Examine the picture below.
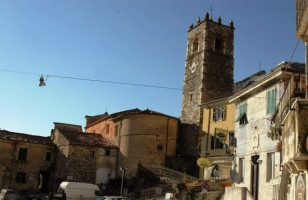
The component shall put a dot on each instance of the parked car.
(34, 195)
(112, 198)
(9, 194)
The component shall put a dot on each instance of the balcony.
(291, 124)
(302, 19)
(294, 135)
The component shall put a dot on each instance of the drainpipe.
(208, 132)
(306, 70)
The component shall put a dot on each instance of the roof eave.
(256, 85)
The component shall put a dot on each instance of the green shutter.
(271, 101)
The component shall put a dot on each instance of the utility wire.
(93, 80)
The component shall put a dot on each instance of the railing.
(295, 88)
(168, 173)
(300, 7)
(216, 185)
(285, 103)
(155, 191)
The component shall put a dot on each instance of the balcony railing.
(300, 8)
(295, 88)
(161, 171)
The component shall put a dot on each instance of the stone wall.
(208, 75)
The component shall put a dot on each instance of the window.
(219, 113)
(107, 152)
(116, 129)
(22, 154)
(231, 139)
(218, 45)
(216, 143)
(107, 128)
(241, 169)
(270, 166)
(195, 45)
(271, 101)
(160, 147)
(242, 118)
(92, 153)
(20, 177)
(48, 156)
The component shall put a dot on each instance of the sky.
(131, 41)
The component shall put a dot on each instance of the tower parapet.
(208, 19)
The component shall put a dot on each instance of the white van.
(79, 191)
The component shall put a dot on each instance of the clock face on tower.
(193, 67)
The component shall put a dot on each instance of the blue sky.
(136, 41)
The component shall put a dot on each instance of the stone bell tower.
(208, 75)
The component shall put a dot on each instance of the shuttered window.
(242, 118)
(271, 101)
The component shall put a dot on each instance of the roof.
(66, 126)
(238, 86)
(86, 139)
(119, 115)
(269, 78)
(22, 137)
(91, 119)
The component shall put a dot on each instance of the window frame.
(219, 113)
(46, 156)
(242, 118)
(22, 157)
(21, 177)
(270, 166)
(195, 44)
(107, 152)
(241, 169)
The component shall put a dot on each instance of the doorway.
(254, 177)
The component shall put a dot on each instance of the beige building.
(143, 137)
(290, 123)
(26, 161)
(257, 166)
(83, 157)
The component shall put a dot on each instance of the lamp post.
(122, 182)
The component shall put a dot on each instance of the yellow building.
(26, 161)
(217, 139)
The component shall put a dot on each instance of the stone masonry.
(208, 75)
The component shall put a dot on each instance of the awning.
(240, 117)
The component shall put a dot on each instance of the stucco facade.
(26, 161)
(143, 137)
(258, 161)
(217, 138)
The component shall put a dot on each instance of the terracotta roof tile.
(87, 139)
(22, 137)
